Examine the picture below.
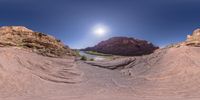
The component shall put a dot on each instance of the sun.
(100, 30)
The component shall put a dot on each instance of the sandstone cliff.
(194, 39)
(35, 41)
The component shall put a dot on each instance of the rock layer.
(24, 72)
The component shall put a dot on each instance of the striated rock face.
(24, 72)
(38, 42)
(124, 46)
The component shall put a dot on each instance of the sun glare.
(100, 30)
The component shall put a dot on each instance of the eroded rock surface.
(169, 72)
(25, 72)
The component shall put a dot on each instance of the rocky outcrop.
(124, 46)
(194, 39)
(35, 41)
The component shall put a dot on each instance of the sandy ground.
(172, 74)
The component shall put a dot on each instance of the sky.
(161, 22)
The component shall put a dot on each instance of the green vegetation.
(92, 59)
(84, 58)
(97, 53)
(76, 53)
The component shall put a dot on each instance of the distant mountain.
(38, 42)
(124, 46)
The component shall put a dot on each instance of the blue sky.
(159, 21)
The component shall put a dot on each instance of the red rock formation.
(124, 46)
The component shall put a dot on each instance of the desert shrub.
(76, 53)
(58, 40)
(83, 58)
(92, 59)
